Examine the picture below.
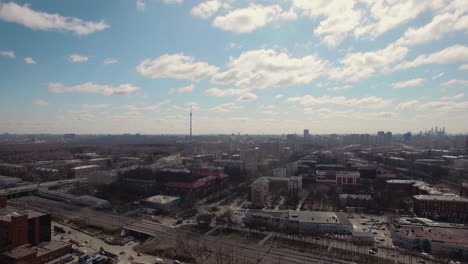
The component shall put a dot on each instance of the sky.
(257, 67)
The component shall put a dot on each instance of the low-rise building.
(443, 241)
(338, 177)
(159, 202)
(102, 178)
(441, 206)
(47, 173)
(6, 181)
(85, 171)
(299, 221)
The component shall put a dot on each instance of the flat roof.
(444, 235)
(319, 217)
(85, 167)
(7, 212)
(8, 178)
(19, 252)
(162, 199)
(441, 197)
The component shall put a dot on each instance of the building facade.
(441, 206)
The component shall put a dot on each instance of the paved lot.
(374, 225)
(93, 244)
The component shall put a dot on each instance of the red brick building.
(25, 237)
(20, 227)
(441, 206)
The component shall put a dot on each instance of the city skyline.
(256, 67)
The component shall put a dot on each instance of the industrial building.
(300, 221)
(85, 200)
(432, 237)
(6, 182)
(159, 202)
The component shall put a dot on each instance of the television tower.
(190, 122)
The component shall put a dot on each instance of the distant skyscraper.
(190, 122)
(407, 137)
(306, 133)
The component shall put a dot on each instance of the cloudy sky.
(137, 66)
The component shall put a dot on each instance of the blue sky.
(137, 66)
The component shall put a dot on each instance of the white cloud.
(38, 20)
(452, 54)
(77, 58)
(267, 107)
(386, 15)
(90, 87)
(171, 2)
(40, 102)
(440, 25)
(94, 106)
(455, 97)
(247, 97)
(438, 76)
(260, 69)
(185, 89)
(358, 66)
(340, 18)
(463, 67)
(279, 96)
(8, 54)
(110, 61)
(407, 105)
(455, 82)
(245, 20)
(446, 104)
(364, 102)
(226, 108)
(216, 92)
(408, 83)
(29, 60)
(340, 88)
(177, 66)
(208, 8)
(140, 5)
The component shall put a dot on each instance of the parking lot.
(375, 225)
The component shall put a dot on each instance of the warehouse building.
(299, 221)
(6, 182)
(438, 240)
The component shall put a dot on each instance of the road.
(253, 252)
(94, 244)
(34, 186)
